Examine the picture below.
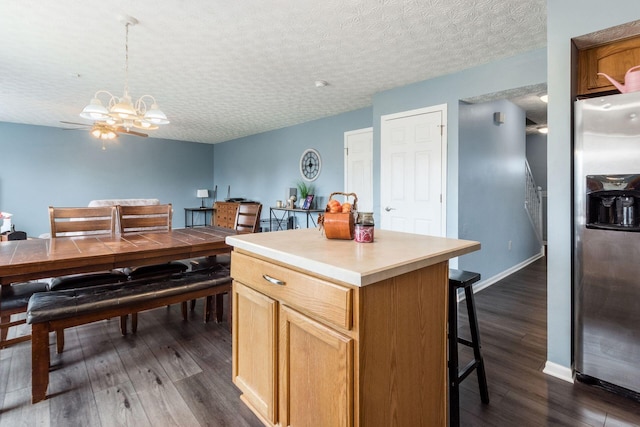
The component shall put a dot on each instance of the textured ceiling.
(225, 69)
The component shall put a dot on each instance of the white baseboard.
(559, 371)
(482, 284)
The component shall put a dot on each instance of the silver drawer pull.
(272, 280)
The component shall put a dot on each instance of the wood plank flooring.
(179, 373)
(512, 319)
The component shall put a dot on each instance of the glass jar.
(364, 227)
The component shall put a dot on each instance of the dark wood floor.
(512, 319)
(177, 373)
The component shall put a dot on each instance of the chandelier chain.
(126, 59)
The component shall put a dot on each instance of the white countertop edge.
(351, 277)
(347, 276)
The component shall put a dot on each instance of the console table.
(280, 217)
(192, 211)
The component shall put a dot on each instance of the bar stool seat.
(460, 279)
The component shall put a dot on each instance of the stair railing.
(533, 202)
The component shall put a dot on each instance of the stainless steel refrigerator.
(607, 241)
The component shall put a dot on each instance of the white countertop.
(360, 264)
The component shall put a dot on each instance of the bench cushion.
(44, 307)
(156, 270)
(86, 280)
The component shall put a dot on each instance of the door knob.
(389, 209)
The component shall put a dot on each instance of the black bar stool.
(463, 279)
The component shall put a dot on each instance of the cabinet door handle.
(273, 280)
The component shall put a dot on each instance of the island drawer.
(325, 300)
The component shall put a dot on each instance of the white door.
(413, 171)
(358, 166)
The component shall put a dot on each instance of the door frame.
(443, 147)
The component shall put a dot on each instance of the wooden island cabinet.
(339, 333)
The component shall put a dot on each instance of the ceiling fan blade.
(74, 123)
(131, 132)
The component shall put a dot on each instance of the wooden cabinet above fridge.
(613, 59)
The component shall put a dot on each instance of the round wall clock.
(310, 164)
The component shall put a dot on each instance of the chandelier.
(122, 112)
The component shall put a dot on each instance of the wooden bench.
(54, 311)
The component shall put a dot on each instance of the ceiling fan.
(103, 130)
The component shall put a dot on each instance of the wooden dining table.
(23, 260)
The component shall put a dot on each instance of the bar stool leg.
(475, 339)
(454, 389)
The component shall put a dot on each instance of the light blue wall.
(567, 19)
(44, 166)
(522, 70)
(491, 188)
(263, 167)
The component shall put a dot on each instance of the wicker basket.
(340, 225)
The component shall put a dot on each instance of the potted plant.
(304, 190)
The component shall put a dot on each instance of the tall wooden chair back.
(248, 217)
(82, 221)
(145, 218)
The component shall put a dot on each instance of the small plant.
(304, 189)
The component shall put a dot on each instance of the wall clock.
(310, 164)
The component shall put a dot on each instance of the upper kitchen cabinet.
(613, 59)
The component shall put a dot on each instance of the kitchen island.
(339, 333)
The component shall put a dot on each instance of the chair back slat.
(145, 218)
(82, 221)
(248, 217)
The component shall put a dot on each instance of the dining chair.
(82, 221)
(247, 221)
(146, 218)
(67, 221)
(133, 219)
(248, 217)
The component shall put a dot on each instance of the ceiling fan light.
(96, 132)
(101, 131)
(155, 116)
(95, 110)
